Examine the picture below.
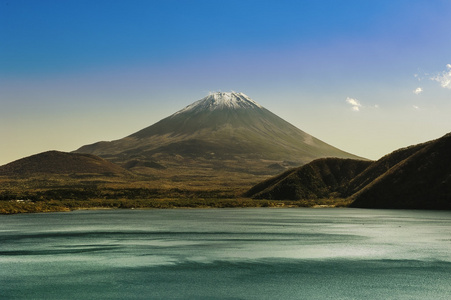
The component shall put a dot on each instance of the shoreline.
(16, 207)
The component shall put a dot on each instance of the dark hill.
(378, 168)
(416, 177)
(55, 162)
(420, 181)
(318, 179)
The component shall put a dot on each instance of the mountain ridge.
(414, 177)
(319, 179)
(421, 180)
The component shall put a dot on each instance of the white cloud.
(356, 105)
(418, 91)
(354, 102)
(415, 107)
(444, 78)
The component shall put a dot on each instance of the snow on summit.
(220, 100)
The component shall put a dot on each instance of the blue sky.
(365, 76)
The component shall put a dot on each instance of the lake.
(254, 253)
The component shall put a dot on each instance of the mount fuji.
(223, 131)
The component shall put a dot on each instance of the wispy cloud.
(421, 75)
(357, 106)
(355, 103)
(444, 78)
(418, 91)
(415, 107)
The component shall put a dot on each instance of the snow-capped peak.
(220, 100)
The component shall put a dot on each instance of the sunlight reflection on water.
(166, 254)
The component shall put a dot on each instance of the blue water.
(227, 254)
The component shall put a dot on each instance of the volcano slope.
(224, 139)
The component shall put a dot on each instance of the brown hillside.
(318, 179)
(420, 181)
(378, 168)
(416, 177)
(55, 162)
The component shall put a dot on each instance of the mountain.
(319, 179)
(378, 169)
(55, 162)
(223, 131)
(421, 179)
(416, 177)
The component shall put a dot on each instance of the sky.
(368, 77)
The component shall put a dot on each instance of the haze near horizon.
(365, 77)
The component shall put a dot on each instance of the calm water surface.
(227, 254)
